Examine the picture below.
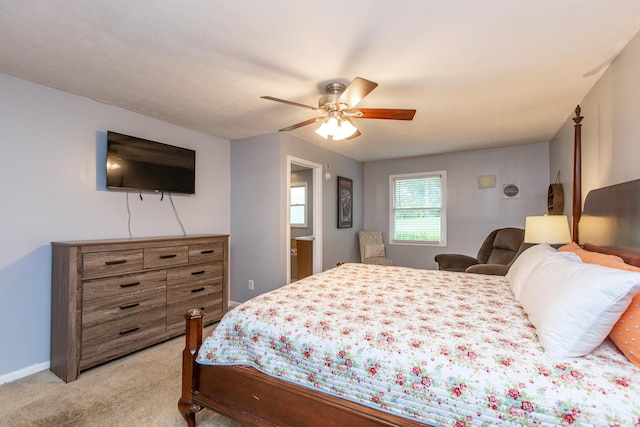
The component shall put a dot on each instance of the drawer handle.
(128, 331)
(197, 273)
(116, 262)
(168, 256)
(193, 291)
(128, 285)
(124, 307)
(208, 251)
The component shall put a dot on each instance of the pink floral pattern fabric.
(447, 349)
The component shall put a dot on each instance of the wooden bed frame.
(247, 395)
(255, 399)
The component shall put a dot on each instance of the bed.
(431, 348)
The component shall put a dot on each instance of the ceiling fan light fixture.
(323, 130)
(337, 107)
(345, 130)
(336, 129)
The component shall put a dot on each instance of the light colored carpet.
(141, 389)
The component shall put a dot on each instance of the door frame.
(317, 212)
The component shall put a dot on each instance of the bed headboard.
(610, 221)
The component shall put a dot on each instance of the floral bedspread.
(447, 349)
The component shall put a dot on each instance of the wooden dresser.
(113, 297)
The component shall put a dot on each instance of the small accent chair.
(497, 253)
(372, 248)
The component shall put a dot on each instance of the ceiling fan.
(337, 107)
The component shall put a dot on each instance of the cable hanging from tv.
(184, 233)
(173, 206)
(129, 214)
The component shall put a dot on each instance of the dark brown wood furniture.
(577, 175)
(112, 297)
(255, 399)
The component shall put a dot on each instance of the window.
(298, 205)
(417, 209)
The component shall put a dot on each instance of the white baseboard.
(24, 372)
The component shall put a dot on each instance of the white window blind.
(298, 206)
(417, 208)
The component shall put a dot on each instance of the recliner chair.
(497, 253)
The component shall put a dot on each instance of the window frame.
(443, 208)
(305, 205)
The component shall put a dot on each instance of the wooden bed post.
(577, 174)
(193, 338)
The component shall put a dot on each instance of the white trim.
(233, 304)
(24, 372)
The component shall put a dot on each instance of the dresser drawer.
(206, 252)
(190, 290)
(166, 256)
(109, 340)
(104, 300)
(151, 300)
(211, 304)
(97, 264)
(96, 290)
(194, 273)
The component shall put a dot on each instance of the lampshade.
(551, 229)
(336, 128)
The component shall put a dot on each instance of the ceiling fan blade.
(382, 113)
(299, 125)
(284, 101)
(356, 91)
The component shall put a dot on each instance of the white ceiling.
(480, 73)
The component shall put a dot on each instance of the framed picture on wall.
(345, 202)
(511, 191)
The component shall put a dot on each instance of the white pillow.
(374, 251)
(574, 305)
(525, 264)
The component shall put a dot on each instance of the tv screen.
(142, 165)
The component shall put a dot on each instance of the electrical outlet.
(250, 285)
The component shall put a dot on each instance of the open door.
(304, 177)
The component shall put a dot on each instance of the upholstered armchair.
(372, 248)
(497, 253)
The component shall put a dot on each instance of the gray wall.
(259, 202)
(471, 212)
(610, 130)
(53, 149)
(255, 224)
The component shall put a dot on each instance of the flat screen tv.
(138, 164)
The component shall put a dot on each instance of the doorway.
(308, 175)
